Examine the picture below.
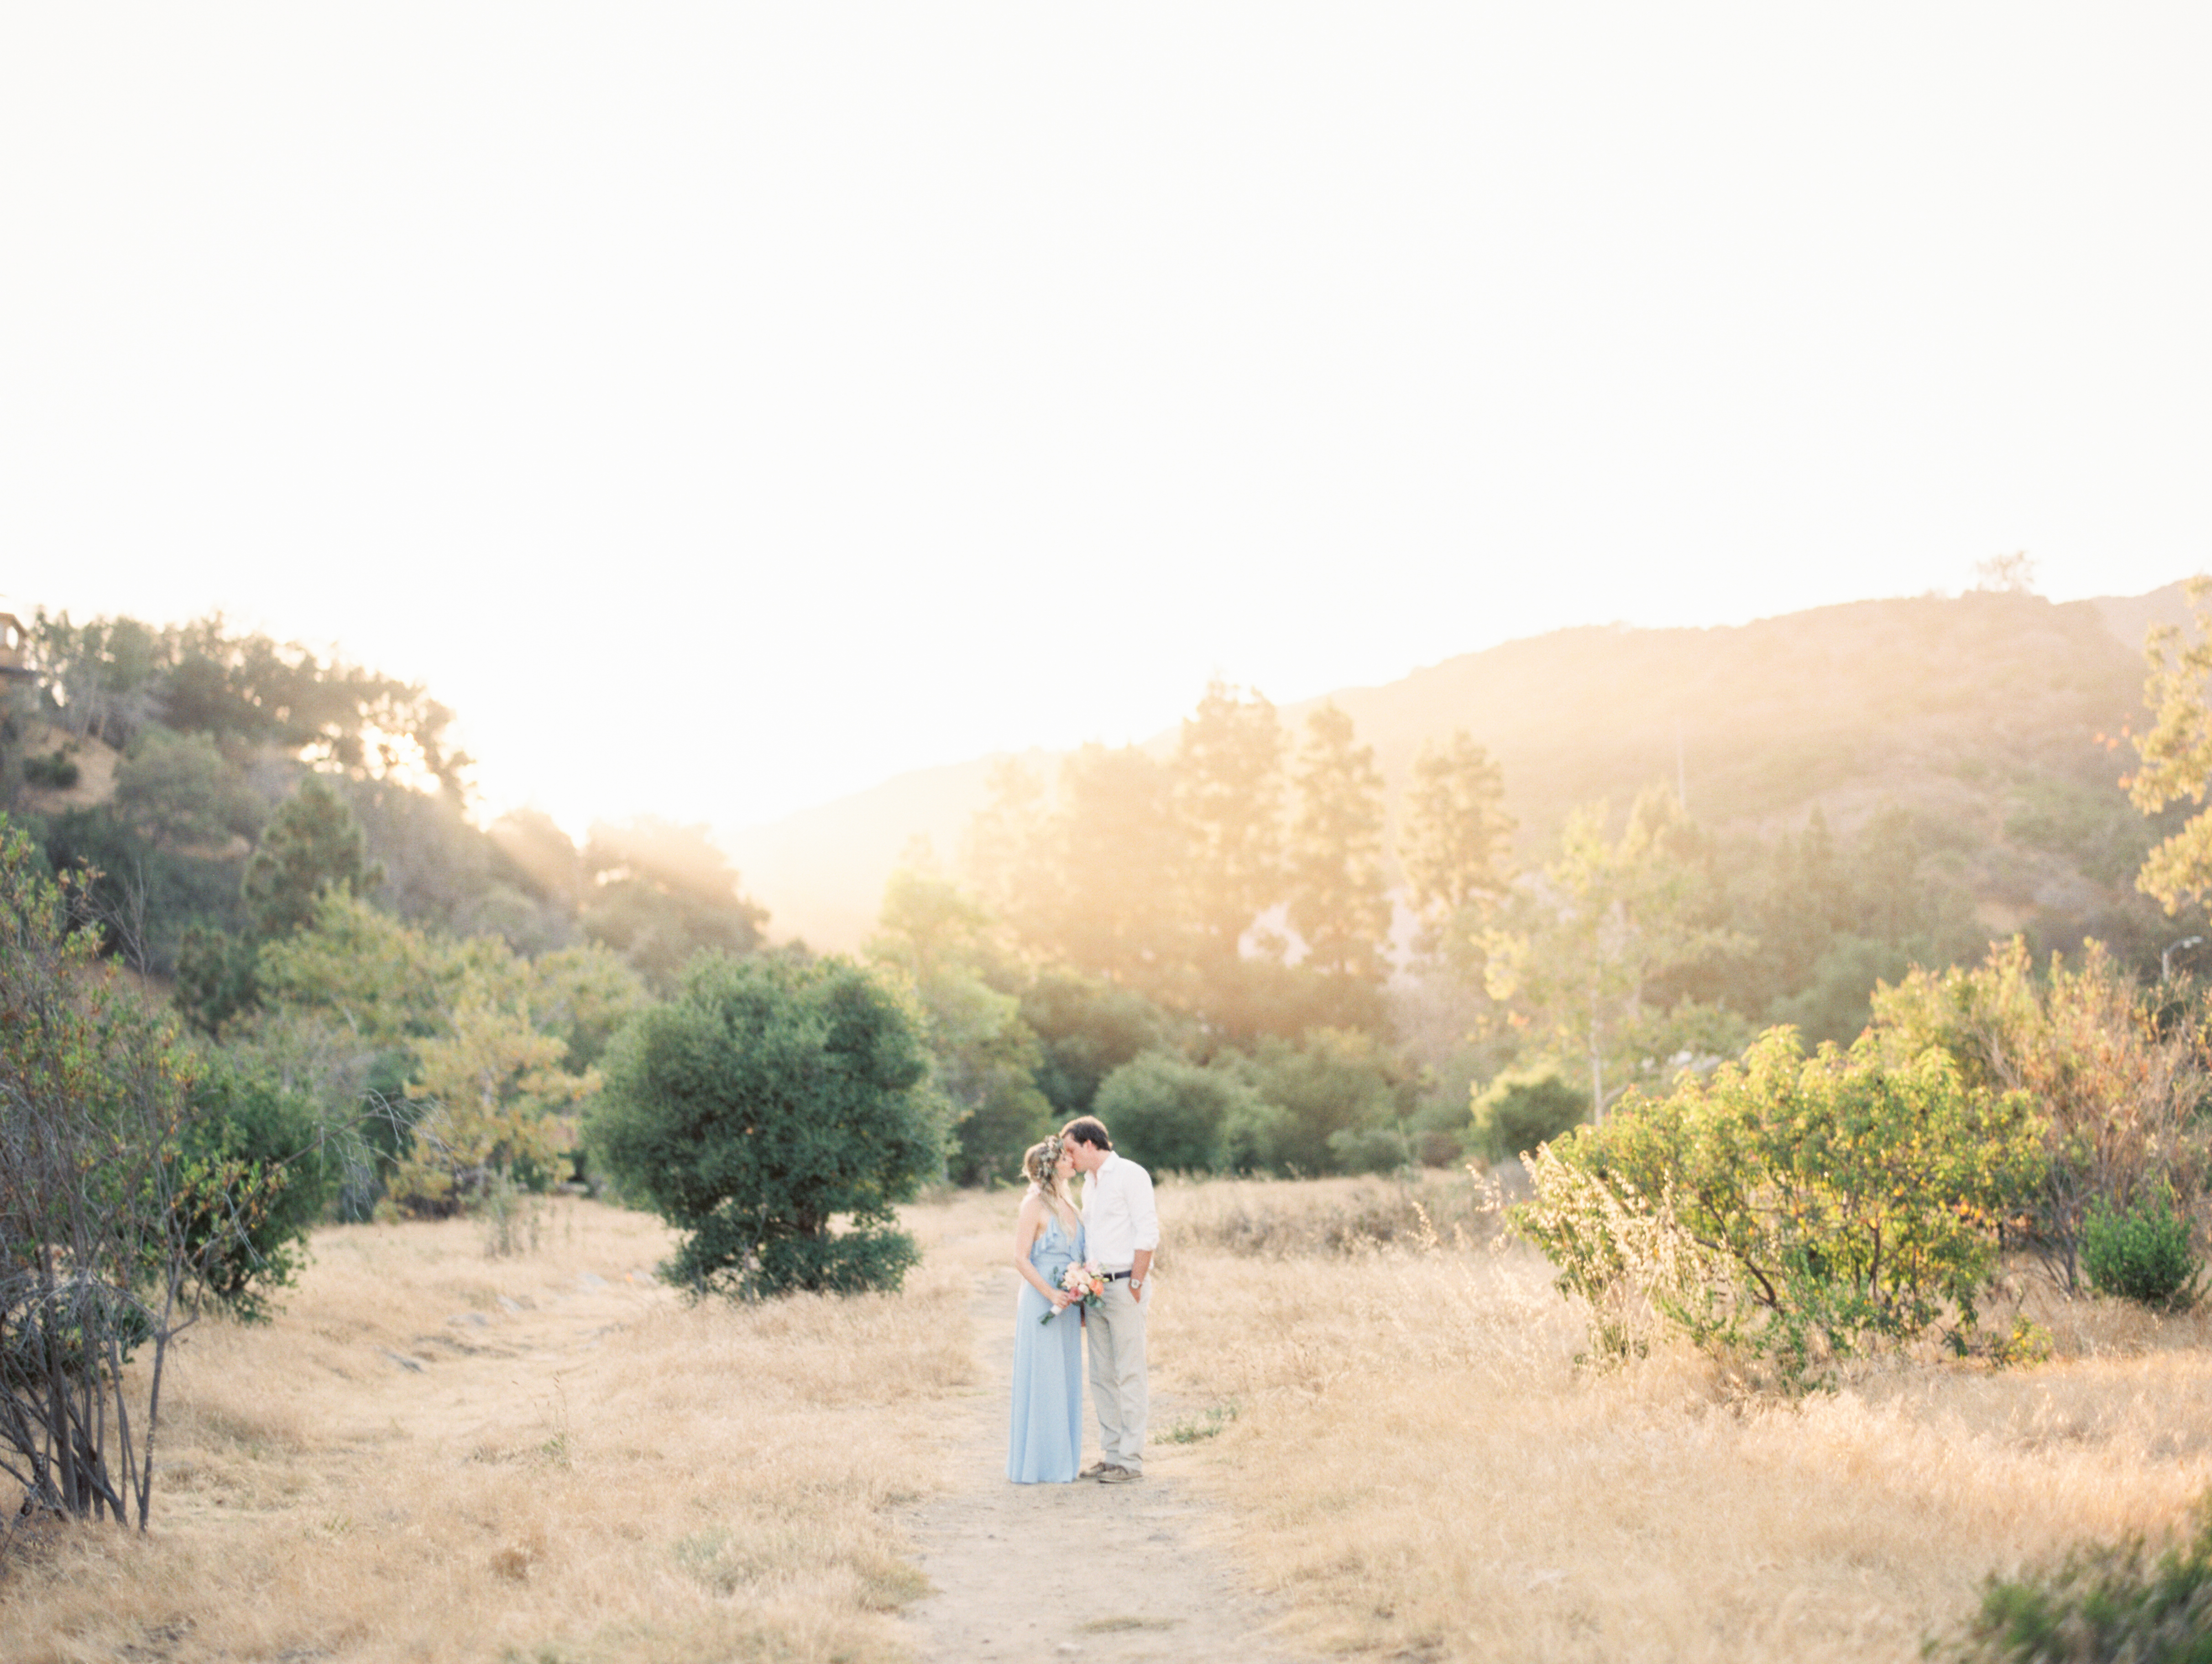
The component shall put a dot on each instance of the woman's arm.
(1025, 1229)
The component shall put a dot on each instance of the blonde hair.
(1040, 1167)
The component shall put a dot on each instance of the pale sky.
(726, 407)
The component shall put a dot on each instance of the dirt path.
(1084, 1570)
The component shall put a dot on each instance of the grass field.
(1416, 1466)
(431, 1454)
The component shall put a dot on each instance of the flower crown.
(1049, 1149)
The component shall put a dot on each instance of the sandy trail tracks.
(1088, 1571)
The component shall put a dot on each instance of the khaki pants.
(1116, 1341)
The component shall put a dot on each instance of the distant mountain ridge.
(1952, 706)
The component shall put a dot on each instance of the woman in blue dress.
(1047, 1443)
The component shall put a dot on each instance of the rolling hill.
(1993, 711)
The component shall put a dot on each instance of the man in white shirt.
(1121, 1230)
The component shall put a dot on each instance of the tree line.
(1243, 879)
(1234, 922)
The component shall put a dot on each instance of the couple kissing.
(1084, 1277)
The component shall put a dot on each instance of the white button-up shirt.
(1118, 1219)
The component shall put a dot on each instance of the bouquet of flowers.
(1085, 1282)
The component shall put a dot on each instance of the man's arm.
(1145, 1223)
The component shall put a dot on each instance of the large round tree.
(769, 1097)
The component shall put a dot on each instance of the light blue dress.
(1046, 1444)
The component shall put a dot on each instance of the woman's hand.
(1060, 1302)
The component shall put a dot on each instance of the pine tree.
(1229, 790)
(1114, 854)
(1454, 834)
(1338, 903)
(313, 845)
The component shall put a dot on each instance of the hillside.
(1982, 710)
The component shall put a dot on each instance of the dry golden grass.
(1418, 1467)
(582, 1467)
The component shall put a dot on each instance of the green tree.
(769, 1097)
(140, 894)
(940, 940)
(1229, 788)
(1171, 1115)
(2176, 753)
(179, 788)
(101, 679)
(495, 1106)
(930, 927)
(122, 1213)
(216, 978)
(488, 1054)
(1584, 944)
(111, 677)
(375, 974)
(582, 995)
(313, 846)
(534, 841)
(1812, 921)
(1339, 904)
(1087, 1028)
(1454, 834)
(1335, 1087)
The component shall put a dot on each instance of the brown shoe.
(1114, 1475)
(1094, 1470)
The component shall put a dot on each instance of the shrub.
(2140, 1254)
(117, 1204)
(1254, 1136)
(1171, 1115)
(990, 1140)
(2103, 1605)
(512, 1217)
(1374, 1150)
(216, 977)
(277, 1136)
(1516, 1112)
(769, 1097)
(57, 771)
(2118, 1091)
(1087, 1028)
(1789, 1207)
(1334, 1080)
